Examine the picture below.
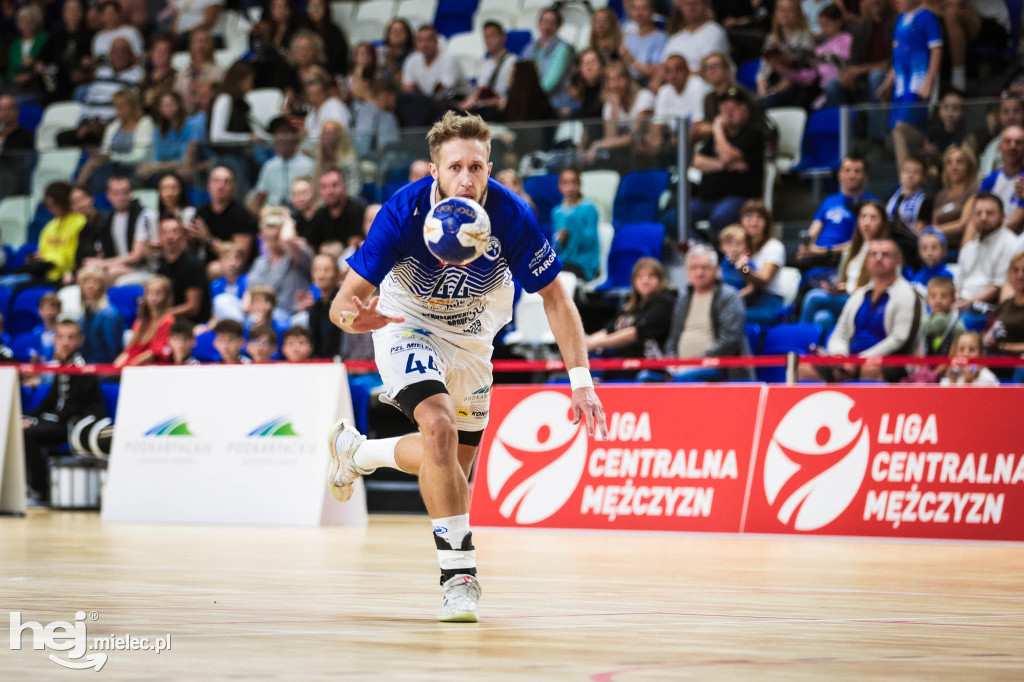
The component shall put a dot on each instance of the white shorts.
(406, 355)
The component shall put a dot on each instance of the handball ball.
(457, 231)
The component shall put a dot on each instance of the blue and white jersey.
(838, 219)
(999, 183)
(916, 34)
(465, 305)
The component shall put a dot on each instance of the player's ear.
(490, 167)
(433, 170)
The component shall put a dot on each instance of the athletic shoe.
(461, 600)
(343, 442)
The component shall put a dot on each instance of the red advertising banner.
(677, 458)
(890, 461)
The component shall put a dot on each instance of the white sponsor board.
(240, 444)
(12, 459)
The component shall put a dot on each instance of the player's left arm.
(568, 330)
(934, 64)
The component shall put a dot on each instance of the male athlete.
(433, 327)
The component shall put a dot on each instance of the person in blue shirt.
(913, 75)
(102, 325)
(931, 248)
(833, 223)
(433, 330)
(574, 222)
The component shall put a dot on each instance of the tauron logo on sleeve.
(537, 458)
(816, 461)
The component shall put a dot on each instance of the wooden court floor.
(301, 604)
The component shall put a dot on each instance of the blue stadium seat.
(820, 147)
(18, 259)
(746, 74)
(796, 337)
(753, 337)
(38, 222)
(29, 116)
(111, 391)
(204, 350)
(22, 345)
(6, 294)
(638, 196)
(390, 188)
(543, 189)
(197, 197)
(516, 41)
(125, 300)
(24, 315)
(630, 244)
(454, 16)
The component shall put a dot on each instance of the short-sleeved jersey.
(465, 305)
(916, 34)
(838, 219)
(999, 183)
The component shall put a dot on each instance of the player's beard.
(444, 195)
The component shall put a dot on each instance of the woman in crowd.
(788, 48)
(66, 60)
(173, 198)
(305, 56)
(90, 243)
(231, 128)
(175, 141)
(760, 271)
(583, 98)
(127, 142)
(26, 51)
(1006, 334)
(102, 326)
(954, 204)
(318, 20)
(364, 71)
(324, 105)
(552, 54)
(824, 304)
(270, 39)
(398, 44)
(150, 339)
(948, 126)
(606, 34)
(509, 177)
(642, 50)
(627, 111)
(161, 76)
(334, 150)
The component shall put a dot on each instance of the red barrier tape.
(627, 363)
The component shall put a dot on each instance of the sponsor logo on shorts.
(816, 461)
(462, 412)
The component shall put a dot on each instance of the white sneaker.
(343, 441)
(461, 600)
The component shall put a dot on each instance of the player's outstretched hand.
(585, 403)
(369, 318)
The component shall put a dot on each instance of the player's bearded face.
(462, 170)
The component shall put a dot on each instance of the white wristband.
(579, 377)
(347, 317)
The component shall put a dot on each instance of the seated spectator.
(969, 23)
(954, 204)
(967, 345)
(127, 143)
(833, 224)
(66, 60)
(274, 183)
(527, 102)
(787, 60)
(232, 128)
(869, 59)
(509, 177)
(228, 339)
(574, 223)
(297, 345)
(984, 261)
(734, 243)
(286, 261)
(183, 18)
(1006, 334)
(123, 236)
(732, 164)
(324, 105)
(318, 20)
(606, 34)
(1010, 114)
(231, 286)
(641, 51)
(833, 54)
(326, 335)
(717, 70)
(399, 43)
(375, 126)
(431, 79)
(909, 208)
(102, 326)
(54, 261)
(552, 54)
(693, 33)
(72, 397)
(1001, 181)
(365, 71)
(97, 96)
(931, 250)
(262, 344)
(90, 244)
(627, 111)
(41, 347)
(948, 126)
(334, 150)
(682, 96)
(881, 318)
(492, 83)
(161, 77)
(583, 97)
(823, 304)
(420, 168)
(114, 28)
(306, 55)
(259, 306)
(303, 201)
(761, 291)
(222, 220)
(173, 199)
(182, 340)
(26, 51)
(17, 147)
(150, 339)
(269, 40)
(340, 218)
(201, 69)
(641, 327)
(175, 141)
(912, 77)
(942, 325)
(190, 293)
(708, 317)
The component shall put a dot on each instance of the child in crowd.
(41, 347)
(942, 325)
(931, 248)
(234, 280)
(968, 345)
(263, 308)
(834, 51)
(150, 340)
(574, 223)
(262, 344)
(910, 207)
(228, 339)
(297, 345)
(735, 244)
(182, 341)
(304, 204)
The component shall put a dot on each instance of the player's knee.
(438, 427)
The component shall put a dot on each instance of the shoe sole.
(342, 493)
(459, 617)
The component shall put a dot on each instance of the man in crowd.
(340, 218)
(833, 224)
(1000, 182)
(984, 261)
(16, 149)
(123, 235)
(186, 272)
(274, 184)
(431, 80)
(222, 220)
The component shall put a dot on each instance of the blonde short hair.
(734, 233)
(454, 126)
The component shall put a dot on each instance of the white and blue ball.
(457, 231)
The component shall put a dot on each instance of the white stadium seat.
(789, 284)
(15, 215)
(790, 122)
(51, 166)
(600, 187)
(467, 49)
(379, 10)
(148, 198)
(265, 104)
(342, 13)
(180, 60)
(417, 12)
(57, 117)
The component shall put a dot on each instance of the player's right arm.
(354, 309)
